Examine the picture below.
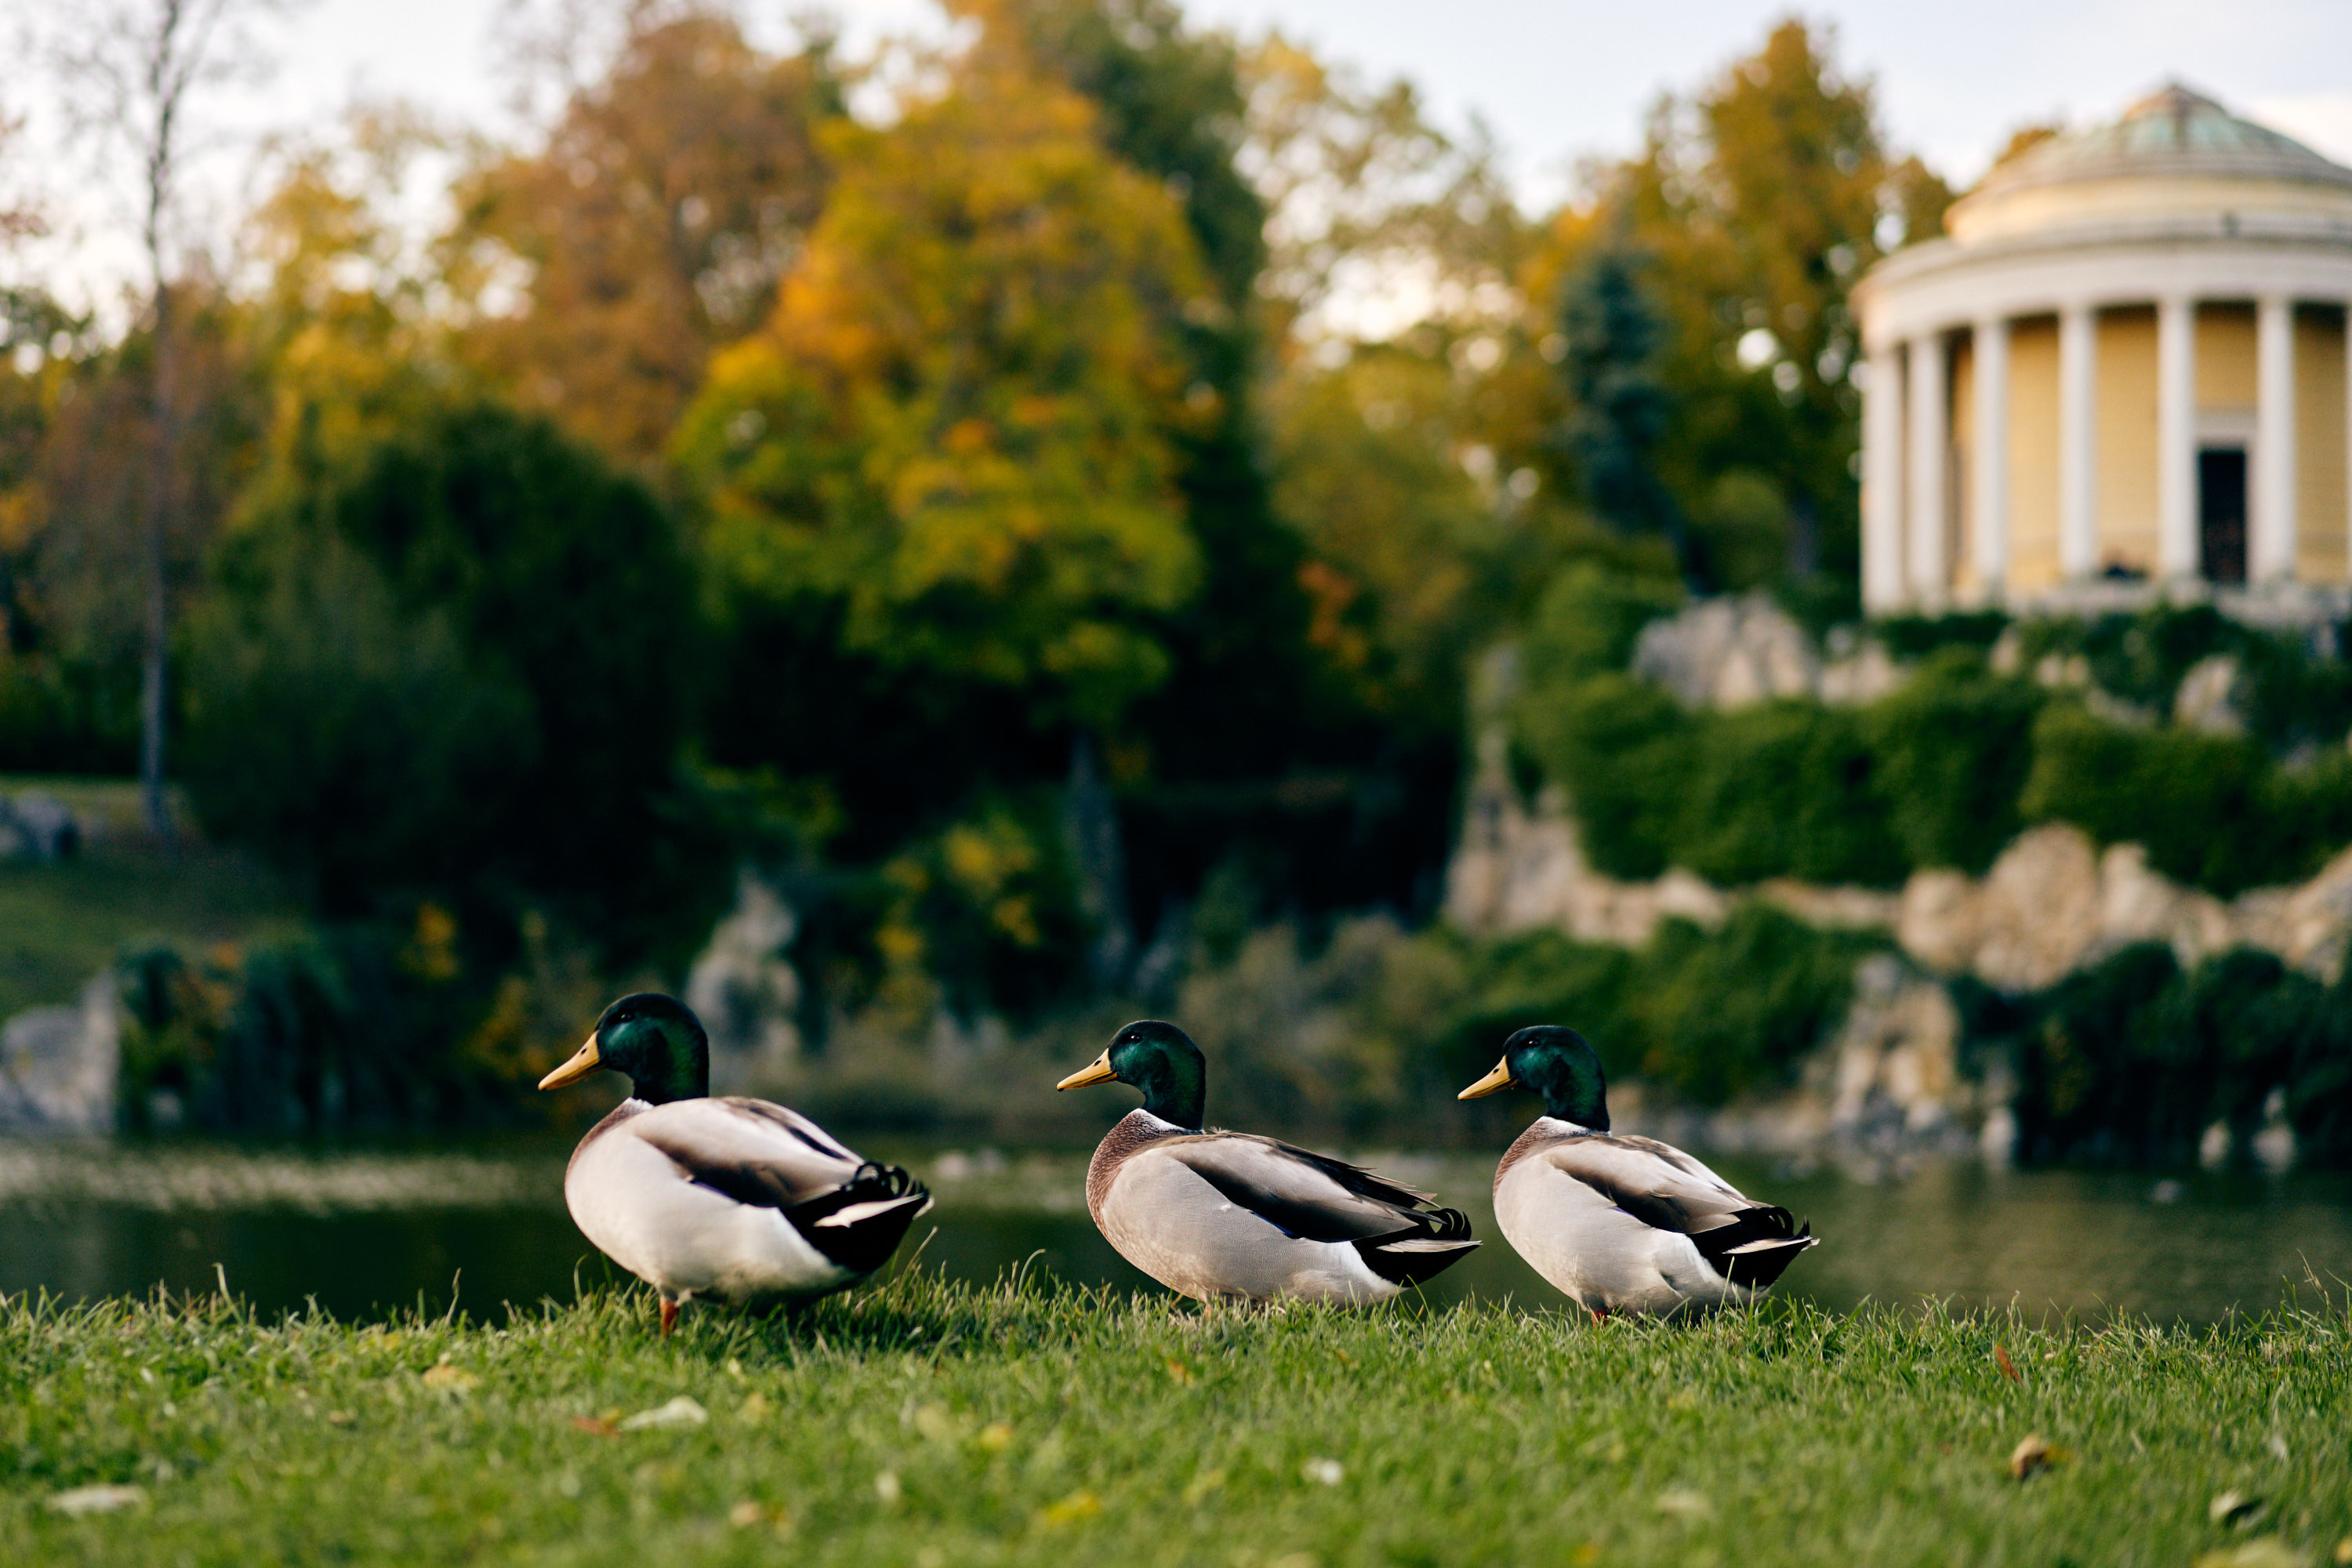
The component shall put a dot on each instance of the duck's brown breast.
(1132, 1132)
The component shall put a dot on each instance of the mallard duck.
(1226, 1216)
(731, 1199)
(1621, 1224)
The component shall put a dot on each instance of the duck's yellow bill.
(584, 1060)
(1493, 1083)
(1098, 1072)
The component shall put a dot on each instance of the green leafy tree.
(456, 672)
(958, 423)
(1760, 202)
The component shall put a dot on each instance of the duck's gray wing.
(1312, 1195)
(1665, 1189)
(766, 1156)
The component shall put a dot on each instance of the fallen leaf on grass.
(747, 1513)
(1327, 1471)
(455, 1379)
(995, 1438)
(1202, 1485)
(2031, 1456)
(97, 1499)
(2344, 1550)
(679, 1412)
(1078, 1505)
(754, 1406)
(886, 1487)
(2269, 1551)
(2235, 1506)
(2000, 1359)
(340, 1417)
(602, 1425)
(1178, 1371)
(1684, 1503)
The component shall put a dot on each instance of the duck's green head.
(1558, 1063)
(1161, 1060)
(654, 1040)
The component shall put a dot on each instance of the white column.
(1931, 435)
(2078, 455)
(2175, 437)
(2269, 554)
(1882, 480)
(1989, 486)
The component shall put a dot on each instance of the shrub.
(2199, 801)
(2132, 1060)
(1787, 789)
(1587, 622)
(1706, 1014)
(68, 716)
(1952, 747)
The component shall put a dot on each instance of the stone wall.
(60, 1066)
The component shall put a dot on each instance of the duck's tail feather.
(1757, 1264)
(1442, 1240)
(860, 1222)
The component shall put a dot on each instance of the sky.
(1556, 81)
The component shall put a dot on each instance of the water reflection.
(364, 1234)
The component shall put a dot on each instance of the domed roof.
(2173, 155)
(2173, 132)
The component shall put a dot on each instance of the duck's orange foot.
(1600, 1314)
(669, 1317)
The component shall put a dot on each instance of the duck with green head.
(730, 1199)
(1621, 1224)
(1230, 1216)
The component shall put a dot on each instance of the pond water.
(366, 1234)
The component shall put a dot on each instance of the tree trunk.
(155, 528)
(1096, 854)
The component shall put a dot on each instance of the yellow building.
(2124, 371)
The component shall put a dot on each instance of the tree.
(651, 229)
(454, 667)
(1620, 408)
(958, 423)
(1760, 203)
(135, 71)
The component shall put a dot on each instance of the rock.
(2040, 916)
(1869, 674)
(2212, 696)
(1894, 1072)
(746, 991)
(60, 1067)
(39, 827)
(2310, 927)
(1728, 652)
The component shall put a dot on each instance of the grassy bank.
(927, 1424)
(60, 924)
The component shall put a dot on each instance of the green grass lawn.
(928, 1423)
(60, 924)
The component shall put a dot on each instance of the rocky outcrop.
(1741, 649)
(1516, 870)
(36, 827)
(2052, 903)
(1728, 652)
(59, 1066)
(747, 993)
